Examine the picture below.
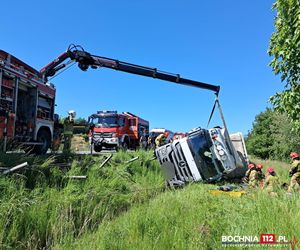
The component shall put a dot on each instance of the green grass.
(192, 218)
(42, 208)
(125, 206)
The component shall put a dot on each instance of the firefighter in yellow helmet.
(68, 130)
(294, 172)
(271, 184)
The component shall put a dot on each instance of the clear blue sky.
(219, 42)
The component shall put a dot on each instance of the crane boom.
(86, 60)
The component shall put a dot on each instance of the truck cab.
(204, 155)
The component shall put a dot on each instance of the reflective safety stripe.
(68, 133)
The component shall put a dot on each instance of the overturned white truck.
(204, 155)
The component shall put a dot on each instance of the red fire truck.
(26, 105)
(112, 130)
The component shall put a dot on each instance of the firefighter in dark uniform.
(68, 130)
(294, 172)
(143, 139)
(57, 133)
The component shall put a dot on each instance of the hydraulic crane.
(219, 154)
(85, 60)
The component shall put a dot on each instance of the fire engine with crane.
(28, 99)
(43, 121)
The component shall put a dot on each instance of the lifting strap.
(212, 111)
(217, 102)
(227, 136)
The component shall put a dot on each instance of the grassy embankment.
(122, 206)
(42, 207)
(192, 218)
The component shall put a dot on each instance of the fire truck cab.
(26, 105)
(112, 130)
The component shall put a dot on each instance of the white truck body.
(204, 155)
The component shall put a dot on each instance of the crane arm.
(86, 60)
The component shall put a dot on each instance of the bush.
(272, 136)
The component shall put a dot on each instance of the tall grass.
(192, 218)
(43, 207)
(121, 206)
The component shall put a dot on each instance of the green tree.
(285, 49)
(258, 141)
(80, 121)
(272, 136)
(283, 136)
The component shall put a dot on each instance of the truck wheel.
(97, 148)
(44, 137)
(124, 145)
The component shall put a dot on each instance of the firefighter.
(294, 172)
(271, 184)
(161, 140)
(57, 132)
(68, 130)
(143, 140)
(253, 176)
(150, 142)
(251, 166)
(261, 175)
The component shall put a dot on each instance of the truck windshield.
(199, 146)
(105, 121)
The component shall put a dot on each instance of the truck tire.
(44, 137)
(97, 148)
(124, 146)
